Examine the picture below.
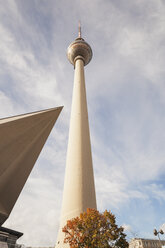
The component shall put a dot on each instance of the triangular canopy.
(21, 140)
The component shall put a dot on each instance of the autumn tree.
(94, 230)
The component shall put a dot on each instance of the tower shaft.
(79, 188)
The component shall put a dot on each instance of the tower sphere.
(79, 49)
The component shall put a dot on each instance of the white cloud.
(126, 227)
(125, 89)
(7, 103)
(163, 227)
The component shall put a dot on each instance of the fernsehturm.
(79, 187)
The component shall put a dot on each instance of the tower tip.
(79, 47)
(79, 29)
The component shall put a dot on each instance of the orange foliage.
(95, 230)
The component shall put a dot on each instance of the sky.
(125, 83)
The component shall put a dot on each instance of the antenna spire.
(79, 29)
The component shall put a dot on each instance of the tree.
(94, 230)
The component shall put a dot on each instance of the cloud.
(125, 90)
(126, 227)
(163, 227)
(36, 211)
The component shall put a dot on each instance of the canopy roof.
(21, 140)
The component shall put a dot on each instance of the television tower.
(79, 187)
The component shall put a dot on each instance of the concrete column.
(79, 188)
